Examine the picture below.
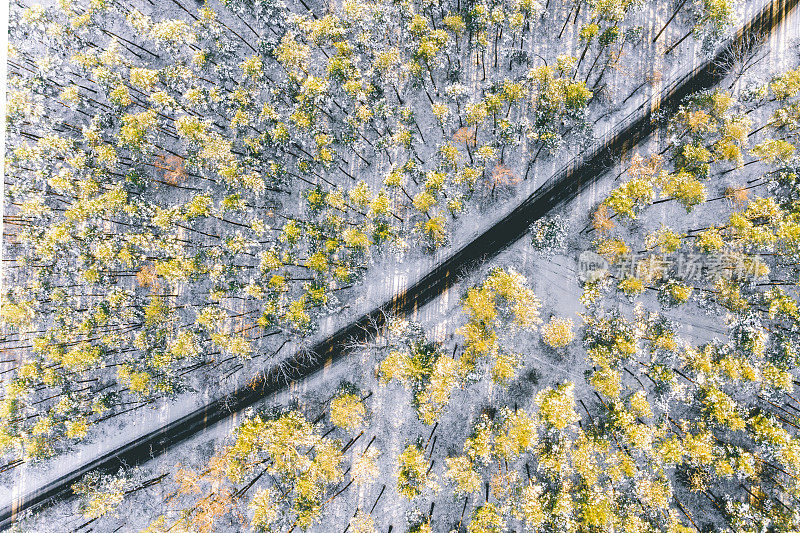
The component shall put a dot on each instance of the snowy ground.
(554, 280)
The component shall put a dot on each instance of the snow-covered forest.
(401, 266)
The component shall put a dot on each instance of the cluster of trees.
(282, 468)
(739, 451)
(189, 189)
(496, 309)
(306, 467)
(664, 435)
(549, 235)
(709, 147)
(667, 432)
